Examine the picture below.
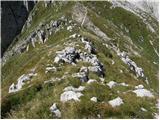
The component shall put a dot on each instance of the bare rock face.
(21, 81)
(83, 74)
(68, 55)
(14, 15)
(71, 93)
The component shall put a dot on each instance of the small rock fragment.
(143, 109)
(91, 81)
(69, 28)
(102, 79)
(112, 84)
(113, 62)
(57, 59)
(55, 110)
(123, 84)
(143, 93)
(116, 102)
(70, 95)
(94, 99)
(139, 87)
(51, 69)
(73, 36)
(121, 71)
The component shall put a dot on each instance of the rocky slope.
(149, 6)
(83, 60)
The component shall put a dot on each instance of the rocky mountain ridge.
(83, 60)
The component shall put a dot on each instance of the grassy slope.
(137, 28)
(34, 102)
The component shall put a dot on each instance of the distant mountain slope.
(150, 6)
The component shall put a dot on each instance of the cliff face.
(14, 15)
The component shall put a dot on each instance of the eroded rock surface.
(21, 81)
